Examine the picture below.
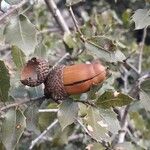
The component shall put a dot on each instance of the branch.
(48, 110)
(133, 92)
(57, 15)
(35, 141)
(20, 102)
(86, 103)
(11, 11)
(141, 50)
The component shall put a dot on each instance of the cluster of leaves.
(102, 36)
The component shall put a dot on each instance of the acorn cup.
(62, 81)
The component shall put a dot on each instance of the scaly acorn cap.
(35, 72)
(54, 86)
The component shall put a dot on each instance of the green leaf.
(22, 33)
(141, 18)
(41, 50)
(61, 137)
(95, 146)
(139, 123)
(110, 118)
(125, 146)
(46, 118)
(12, 128)
(68, 39)
(113, 99)
(20, 126)
(145, 85)
(67, 113)
(96, 125)
(73, 2)
(145, 100)
(103, 54)
(8, 129)
(119, 56)
(109, 55)
(18, 57)
(12, 2)
(4, 82)
(32, 117)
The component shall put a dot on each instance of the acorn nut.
(62, 81)
(35, 72)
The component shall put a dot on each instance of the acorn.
(62, 81)
(35, 72)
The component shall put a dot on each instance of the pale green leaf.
(22, 33)
(18, 57)
(96, 125)
(138, 121)
(145, 85)
(95, 146)
(68, 39)
(4, 82)
(8, 129)
(110, 118)
(125, 146)
(113, 99)
(41, 50)
(145, 100)
(12, 128)
(20, 126)
(119, 56)
(13, 2)
(67, 113)
(99, 52)
(72, 2)
(141, 18)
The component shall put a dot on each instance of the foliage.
(93, 120)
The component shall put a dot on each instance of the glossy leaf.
(22, 33)
(18, 57)
(12, 128)
(67, 113)
(4, 82)
(96, 125)
(113, 99)
(141, 18)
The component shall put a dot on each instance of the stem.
(20, 102)
(11, 11)
(35, 141)
(141, 50)
(133, 92)
(57, 15)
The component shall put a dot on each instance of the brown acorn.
(35, 72)
(62, 81)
